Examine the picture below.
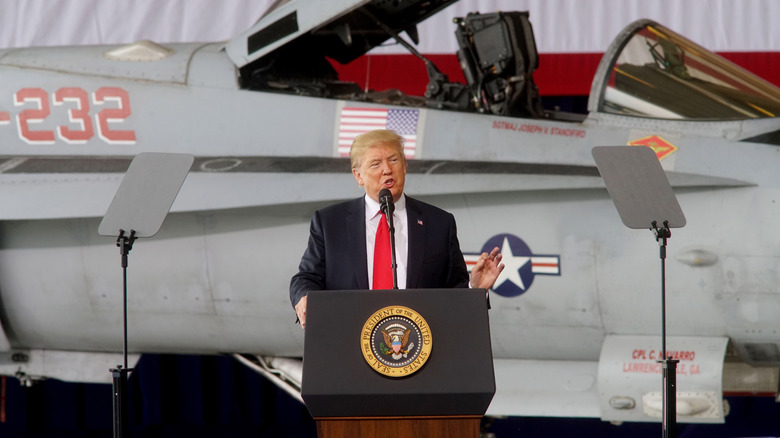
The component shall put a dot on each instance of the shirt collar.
(372, 207)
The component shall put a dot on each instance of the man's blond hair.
(364, 142)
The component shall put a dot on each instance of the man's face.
(380, 168)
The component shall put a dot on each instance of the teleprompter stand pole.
(120, 373)
(669, 365)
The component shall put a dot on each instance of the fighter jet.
(576, 314)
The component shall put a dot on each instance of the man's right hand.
(300, 310)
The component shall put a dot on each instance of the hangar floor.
(208, 396)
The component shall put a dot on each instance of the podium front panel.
(456, 379)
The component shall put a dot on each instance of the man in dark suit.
(341, 240)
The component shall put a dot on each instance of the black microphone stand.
(388, 210)
(387, 207)
(392, 248)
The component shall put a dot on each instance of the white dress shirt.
(400, 222)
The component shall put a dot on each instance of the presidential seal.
(396, 341)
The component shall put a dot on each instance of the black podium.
(398, 362)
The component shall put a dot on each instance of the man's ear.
(358, 178)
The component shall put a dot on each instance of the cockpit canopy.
(651, 71)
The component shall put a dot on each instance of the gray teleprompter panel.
(146, 194)
(638, 186)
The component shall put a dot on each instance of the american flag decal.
(354, 121)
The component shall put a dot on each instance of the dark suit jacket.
(336, 256)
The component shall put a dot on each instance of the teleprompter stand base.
(393, 427)
(119, 387)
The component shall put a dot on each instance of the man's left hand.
(486, 271)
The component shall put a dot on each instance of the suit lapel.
(355, 223)
(416, 245)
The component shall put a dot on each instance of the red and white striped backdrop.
(571, 35)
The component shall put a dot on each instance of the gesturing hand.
(486, 271)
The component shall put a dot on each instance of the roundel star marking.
(521, 265)
(513, 264)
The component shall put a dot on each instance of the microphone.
(386, 204)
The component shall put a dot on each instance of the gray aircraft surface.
(576, 314)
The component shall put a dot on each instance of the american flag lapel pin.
(419, 221)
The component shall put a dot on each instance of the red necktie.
(383, 263)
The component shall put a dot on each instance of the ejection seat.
(498, 57)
